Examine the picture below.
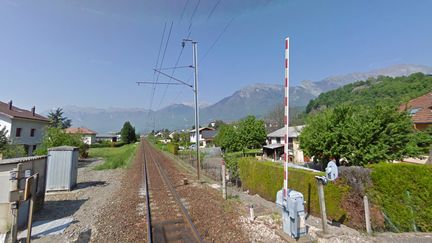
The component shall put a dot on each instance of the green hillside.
(381, 90)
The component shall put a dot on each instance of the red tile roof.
(80, 130)
(16, 112)
(420, 108)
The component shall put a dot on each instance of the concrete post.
(322, 206)
(224, 192)
(367, 215)
(251, 212)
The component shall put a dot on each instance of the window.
(18, 132)
(32, 132)
(278, 140)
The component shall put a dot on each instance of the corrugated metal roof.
(63, 148)
(21, 159)
(292, 131)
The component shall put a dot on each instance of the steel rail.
(174, 193)
(149, 221)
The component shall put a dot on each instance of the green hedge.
(172, 148)
(404, 194)
(266, 178)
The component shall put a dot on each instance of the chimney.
(10, 105)
(33, 110)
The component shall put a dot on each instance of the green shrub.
(172, 148)
(266, 178)
(404, 194)
(55, 137)
(13, 151)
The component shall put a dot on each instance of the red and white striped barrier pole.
(285, 186)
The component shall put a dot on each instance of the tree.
(176, 137)
(3, 138)
(228, 138)
(361, 135)
(251, 132)
(58, 120)
(248, 133)
(128, 133)
(216, 124)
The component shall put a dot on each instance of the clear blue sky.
(91, 53)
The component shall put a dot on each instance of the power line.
(184, 9)
(161, 63)
(217, 39)
(154, 73)
(212, 10)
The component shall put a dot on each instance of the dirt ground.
(94, 190)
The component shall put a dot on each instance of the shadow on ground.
(86, 184)
(59, 209)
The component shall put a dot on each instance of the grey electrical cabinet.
(293, 214)
(62, 168)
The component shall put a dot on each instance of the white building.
(276, 142)
(88, 136)
(202, 140)
(24, 127)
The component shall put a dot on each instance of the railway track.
(167, 217)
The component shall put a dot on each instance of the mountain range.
(255, 99)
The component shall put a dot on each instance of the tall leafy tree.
(3, 138)
(128, 134)
(361, 135)
(228, 138)
(252, 132)
(58, 119)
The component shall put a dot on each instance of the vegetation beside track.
(114, 157)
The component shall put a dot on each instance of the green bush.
(404, 194)
(55, 137)
(13, 151)
(266, 178)
(172, 148)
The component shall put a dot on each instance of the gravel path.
(94, 190)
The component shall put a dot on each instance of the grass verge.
(114, 157)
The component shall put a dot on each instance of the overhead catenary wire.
(212, 10)
(184, 9)
(161, 63)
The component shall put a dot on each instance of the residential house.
(208, 136)
(275, 143)
(88, 136)
(24, 127)
(202, 140)
(420, 110)
(106, 138)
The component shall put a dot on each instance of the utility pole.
(195, 90)
(195, 61)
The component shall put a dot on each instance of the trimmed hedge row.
(107, 145)
(266, 178)
(404, 194)
(173, 148)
